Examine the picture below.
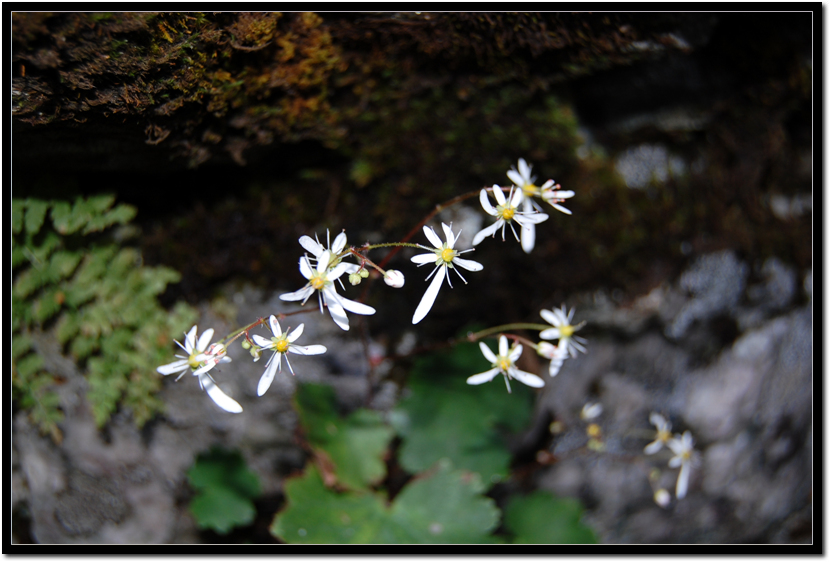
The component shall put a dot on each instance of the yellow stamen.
(318, 282)
(566, 331)
(594, 431)
(530, 190)
(192, 361)
(282, 345)
(504, 363)
(507, 214)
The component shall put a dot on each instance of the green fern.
(100, 303)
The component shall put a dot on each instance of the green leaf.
(221, 509)
(20, 345)
(445, 417)
(226, 487)
(18, 208)
(541, 518)
(35, 213)
(29, 365)
(219, 467)
(443, 506)
(356, 446)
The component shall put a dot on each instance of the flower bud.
(394, 278)
(546, 350)
(662, 497)
(355, 278)
(246, 344)
(255, 352)
(364, 273)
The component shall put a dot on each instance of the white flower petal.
(268, 376)
(302, 294)
(204, 339)
(422, 259)
(355, 307)
(307, 349)
(339, 243)
(659, 421)
(311, 246)
(323, 261)
(449, 235)
(550, 317)
(498, 194)
(528, 238)
(561, 209)
(653, 447)
(524, 169)
(262, 342)
(190, 340)
(527, 378)
(305, 268)
(531, 218)
(515, 353)
(336, 311)
(516, 177)
(220, 398)
(503, 346)
(295, 333)
(481, 378)
(674, 462)
(174, 367)
(485, 203)
(276, 329)
(469, 265)
(682, 481)
(549, 334)
(433, 237)
(429, 296)
(516, 198)
(339, 270)
(488, 353)
(487, 231)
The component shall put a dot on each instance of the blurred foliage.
(338, 439)
(99, 300)
(541, 518)
(444, 417)
(226, 487)
(441, 506)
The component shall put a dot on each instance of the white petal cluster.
(563, 330)
(684, 457)
(504, 363)
(201, 358)
(549, 192)
(444, 256)
(506, 213)
(321, 277)
(662, 436)
(281, 344)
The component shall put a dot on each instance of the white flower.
(504, 363)
(591, 410)
(393, 278)
(444, 257)
(506, 212)
(684, 457)
(563, 330)
(281, 343)
(662, 498)
(556, 354)
(201, 358)
(317, 249)
(549, 192)
(662, 436)
(322, 279)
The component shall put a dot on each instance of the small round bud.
(546, 350)
(394, 278)
(256, 353)
(246, 344)
(662, 498)
(591, 410)
(364, 273)
(354, 278)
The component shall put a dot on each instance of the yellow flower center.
(566, 331)
(447, 254)
(530, 189)
(594, 431)
(663, 435)
(318, 281)
(503, 363)
(193, 361)
(686, 455)
(282, 344)
(508, 213)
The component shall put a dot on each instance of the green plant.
(340, 498)
(226, 489)
(97, 299)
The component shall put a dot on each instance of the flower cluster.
(323, 267)
(685, 457)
